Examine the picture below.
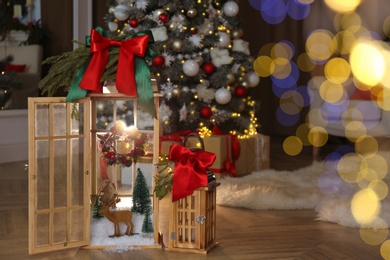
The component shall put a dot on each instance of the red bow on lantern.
(125, 71)
(190, 170)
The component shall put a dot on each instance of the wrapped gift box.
(254, 155)
(164, 146)
(220, 145)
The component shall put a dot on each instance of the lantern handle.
(199, 139)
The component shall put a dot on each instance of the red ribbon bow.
(190, 170)
(125, 71)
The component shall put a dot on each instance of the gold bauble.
(199, 60)
(177, 44)
(230, 78)
(237, 33)
(176, 92)
(192, 12)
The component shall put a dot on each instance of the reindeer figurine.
(117, 217)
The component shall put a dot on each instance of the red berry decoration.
(240, 91)
(194, 31)
(134, 22)
(158, 61)
(209, 68)
(163, 17)
(206, 112)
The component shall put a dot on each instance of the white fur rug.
(315, 187)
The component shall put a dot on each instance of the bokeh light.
(331, 92)
(367, 145)
(367, 63)
(385, 250)
(262, 66)
(380, 188)
(365, 206)
(275, 11)
(374, 236)
(292, 145)
(350, 172)
(343, 6)
(337, 70)
(305, 63)
(286, 119)
(320, 45)
(318, 136)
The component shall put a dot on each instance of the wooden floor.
(241, 233)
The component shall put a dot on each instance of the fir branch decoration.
(163, 181)
(65, 66)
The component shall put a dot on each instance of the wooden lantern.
(64, 168)
(192, 221)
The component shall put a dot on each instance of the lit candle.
(124, 147)
(17, 11)
(133, 132)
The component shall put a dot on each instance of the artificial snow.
(102, 229)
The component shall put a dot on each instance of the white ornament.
(220, 57)
(252, 78)
(190, 68)
(224, 40)
(165, 112)
(223, 96)
(141, 4)
(185, 89)
(183, 113)
(121, 12)
(112, 26)
(196, 40)
(159, 33)
(205, 94)
(230, 9)
(240, 45)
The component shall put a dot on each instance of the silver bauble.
(223, 96)
(121, 12)
(230, 9)
(190, 68)
(252, 79)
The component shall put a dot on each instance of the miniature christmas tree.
(147, 225)
(141, 196)
(96, 207)
(203, 68)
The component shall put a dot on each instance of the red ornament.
(194, 31)
(209, 68)
(206, 112)
(134, 22)
(163, 17)
(158, 61)
(240, 91)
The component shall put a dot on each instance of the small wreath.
(109, 140)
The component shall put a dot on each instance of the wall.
(13, 135)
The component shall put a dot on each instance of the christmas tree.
(203, 68)
(96, 207)
(147, 225)
(141, 196)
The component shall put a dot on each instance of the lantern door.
(59, 179)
